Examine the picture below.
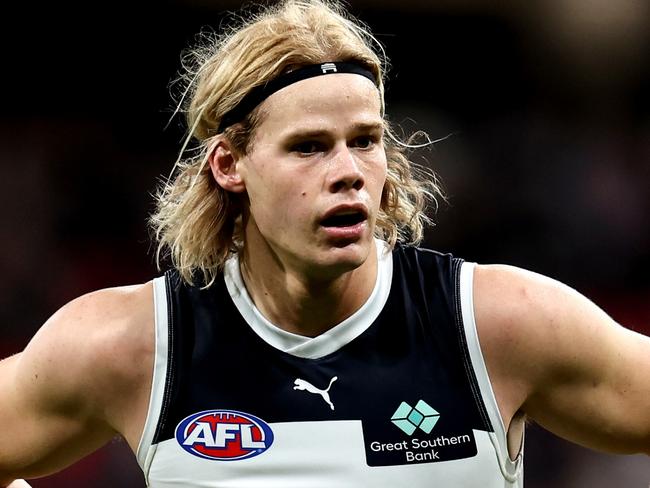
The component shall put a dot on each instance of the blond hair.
(198, 223)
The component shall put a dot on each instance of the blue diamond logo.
(408, 418)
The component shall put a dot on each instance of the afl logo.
(224, 435)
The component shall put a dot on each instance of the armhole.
(511, 469)
(145, 448)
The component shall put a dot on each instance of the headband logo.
(328, 68)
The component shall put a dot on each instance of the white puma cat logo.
(306, 385)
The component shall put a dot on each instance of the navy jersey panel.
(412, 354)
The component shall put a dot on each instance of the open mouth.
(346, 219)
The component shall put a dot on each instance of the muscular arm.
(555, 356)
(41, 430)
(64, 395)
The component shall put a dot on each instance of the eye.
(308, 147)
(365, 142)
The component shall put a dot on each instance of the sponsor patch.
(418, 434)
(224, 435)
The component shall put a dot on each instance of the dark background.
(547, 166)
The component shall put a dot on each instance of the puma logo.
(306, 385)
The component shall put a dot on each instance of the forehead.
(338, 99)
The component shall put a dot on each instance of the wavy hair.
(197, 223)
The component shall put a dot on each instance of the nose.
(344, 172)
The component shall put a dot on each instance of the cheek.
(378, 179)
(282, 210)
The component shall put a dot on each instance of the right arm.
(63, 397)
(42, 431)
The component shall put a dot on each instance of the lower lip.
(349, 232)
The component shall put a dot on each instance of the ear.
(223, 164)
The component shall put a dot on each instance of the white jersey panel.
(146, 449)
(511, 469)
(322, 455)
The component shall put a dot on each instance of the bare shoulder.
(82, 379)
(509, 303)
(112, 323)
(535, 316)
(505, 299)
(556, 356)
(95, 354)
(529, 323)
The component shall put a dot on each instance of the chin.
(343, 257)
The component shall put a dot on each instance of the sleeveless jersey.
(397, 395)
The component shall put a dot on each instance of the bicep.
(45, 426)
(597, 389)
(578, 373)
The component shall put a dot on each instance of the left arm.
(555, 356)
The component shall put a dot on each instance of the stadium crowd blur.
(547, 163)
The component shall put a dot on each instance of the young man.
(300, 341)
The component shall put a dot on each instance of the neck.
(303, 303)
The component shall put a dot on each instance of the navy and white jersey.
(396, 395)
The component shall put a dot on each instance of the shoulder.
(523, 315)
(516, 313)
(536, 332)
(512, 304)
(556, 356)
(540, 318)
(92, 351)
(100, 326)
(504, 292)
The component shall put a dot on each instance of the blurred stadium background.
(547, 166)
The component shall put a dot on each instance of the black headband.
(260, 93)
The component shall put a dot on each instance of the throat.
(305, 307)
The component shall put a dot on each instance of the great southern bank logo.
(408, 419)
(224, 435)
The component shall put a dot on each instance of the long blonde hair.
(196, 222)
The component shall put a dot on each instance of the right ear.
(224, 166)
